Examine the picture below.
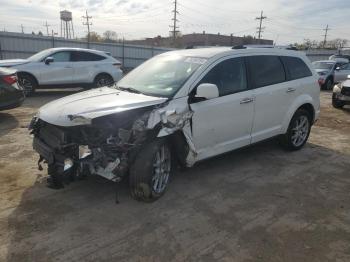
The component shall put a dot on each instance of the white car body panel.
(94, 103)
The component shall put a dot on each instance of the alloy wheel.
(300, 130)
(161, 169)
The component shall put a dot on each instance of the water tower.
(67, 30)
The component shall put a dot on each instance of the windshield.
(38, 57)
(162, 75)
(323, 65)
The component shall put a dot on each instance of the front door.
(58, 72)
(224, 123)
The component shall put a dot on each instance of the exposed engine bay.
(107, 145)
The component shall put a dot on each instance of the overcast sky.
(288, 21)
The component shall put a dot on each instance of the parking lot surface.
(260, 203)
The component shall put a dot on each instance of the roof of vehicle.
(213, 51)
(77, 49)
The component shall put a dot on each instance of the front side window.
(266, 70)
(296, 67)
(61, 56)
(162, 75)
(229, 76)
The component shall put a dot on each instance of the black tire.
(103, 80)
(329, 84)
(337, 103)
(28, 83)
(288, 139)
(143, 172)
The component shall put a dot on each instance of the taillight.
(321, 82)
(11, 79)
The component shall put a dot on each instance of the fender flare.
(299, 102)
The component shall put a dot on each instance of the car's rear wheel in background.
(150, 173)
(298, 131)
(336, 102)
(103, 80)
(329, 84)
(28, 83)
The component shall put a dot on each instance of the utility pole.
(260, 28)
(22, 28)
(175, 20)
(325, 35)
(47, 28)
(87, 23)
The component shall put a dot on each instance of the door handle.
(246, 100)
(68, 67)
(290, 90)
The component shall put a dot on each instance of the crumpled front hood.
(81, 108)
(13, 62)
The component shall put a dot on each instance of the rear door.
(223, 123)
(86, 66)
(58, 72)
(273, 95)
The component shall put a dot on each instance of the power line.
(260, 28)
(175, 20)
(325, 35)
(87, 23)
(47, 28)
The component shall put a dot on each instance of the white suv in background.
(65, 67)
(186, 105)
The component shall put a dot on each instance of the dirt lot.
(257, 204)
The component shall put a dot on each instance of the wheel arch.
(30, 74)
(303, 102)
(101, 74)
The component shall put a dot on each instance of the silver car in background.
(66, 67)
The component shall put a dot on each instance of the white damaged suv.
(178, 107)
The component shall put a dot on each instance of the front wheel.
(150, 172)
(298, 131)
(336, 103)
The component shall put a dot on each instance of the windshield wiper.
(129, 89)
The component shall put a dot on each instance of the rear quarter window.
(86, 57)
(266, 70)
(296, 67)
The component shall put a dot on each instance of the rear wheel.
(336, 102)
(298, 130)
(150, 173)
(28, 83)
(329, 84)
(103, 80)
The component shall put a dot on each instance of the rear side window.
(266, 70)
(78, 56)
(296, 67)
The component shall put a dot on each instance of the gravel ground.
(260, 203)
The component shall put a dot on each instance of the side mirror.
(337, 68)
(49, 60)
(207, 91)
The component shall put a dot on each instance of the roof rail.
(264, 46)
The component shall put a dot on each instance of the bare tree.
(110, 36)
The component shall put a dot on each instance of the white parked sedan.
(66, 67)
